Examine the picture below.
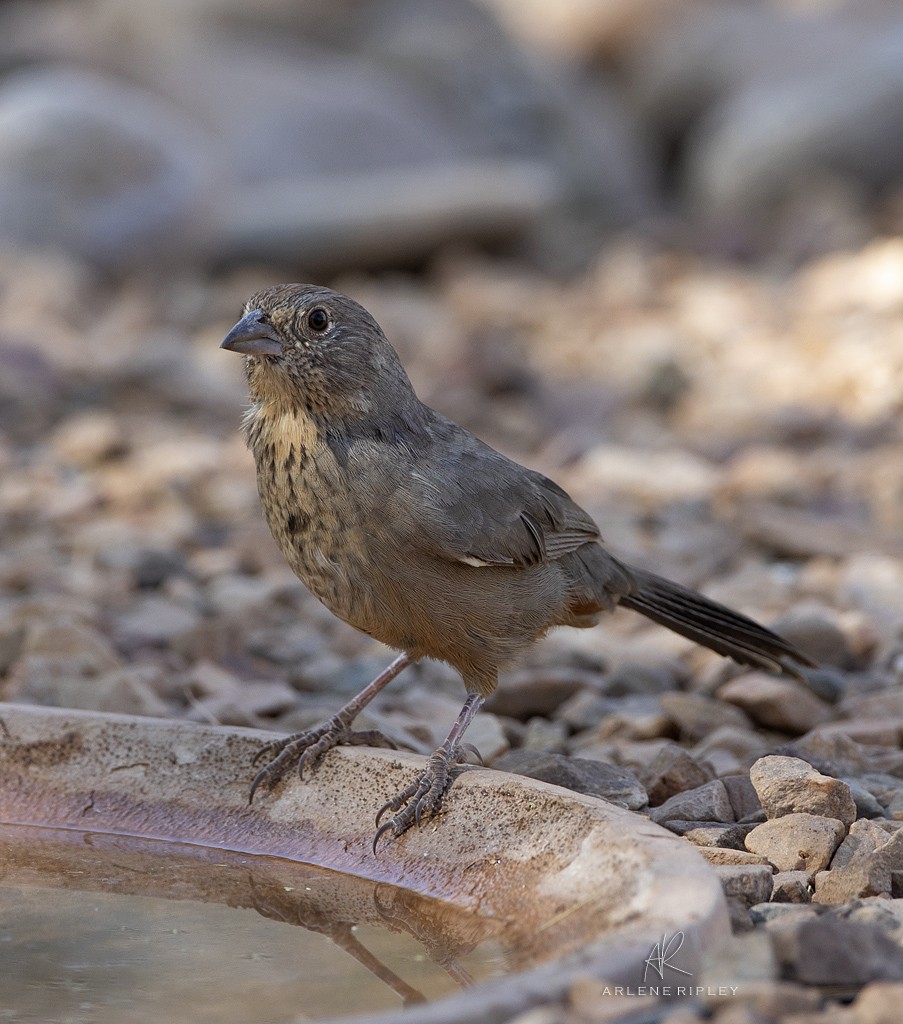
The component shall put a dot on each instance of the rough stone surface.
(787, 785)
(751, 884)
(878, 1002)
(729, 749)
(776, 703)
(743, 797)
(869, 862)
(818, 636)
(797, 842)
(704, 803)
(594, 778)
(711, 833)
(696, 716)
(792, 887)
(671, 771)
(745, 885)
(833, 951)
(717, 855)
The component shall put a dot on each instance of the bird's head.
(316, 349)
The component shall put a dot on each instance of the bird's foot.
(424, 795)
(306, 748)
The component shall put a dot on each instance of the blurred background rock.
(371, 132)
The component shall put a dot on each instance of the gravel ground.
(737, 430)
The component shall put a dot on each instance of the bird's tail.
(713, 625)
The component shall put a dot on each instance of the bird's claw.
(423, 797)
(306, 748)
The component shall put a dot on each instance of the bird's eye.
(318, 319)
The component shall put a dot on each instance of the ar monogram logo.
(662, 954)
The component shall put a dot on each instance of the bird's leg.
(307, 747)
(424, 795)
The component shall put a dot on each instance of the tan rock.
(880, 1002)
(865, 865)
(776, 703)
(696, 715)
(792, 887)
(882, 732)
(797, 842)
(748, 883)
(787, 785)
(717, 855)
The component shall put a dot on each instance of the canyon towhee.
(411, 529)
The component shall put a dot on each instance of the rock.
(635, 718)
(797, 842)
(671, 474)
(866, 804)
(86, 651)
(88, 439)
(595, 778)
(743, 797)
(130, 690)
(256, 704)
(718, 855)
(787, 785)
(31, 388)
(878, 1003)
(792, 887)
(865, 864)
(149, 567)
(710, 833)
(155, 622)
(591, 999)
(826, 683)
(696, 716)
(637, 677)
(100, 168)
(583, 711)
(882, 704)
(488, 736)
(881, 732)
(832, 951)
(815, 634)
(671, 771)
(206, 679)
(239, 593)
(746, 962)
(874, 584)
(883, 787)
(708, 802)
(729, 750)
(776, 703)
(845, 756)
(525, 694)
(744, 885)
(784, 917)
(883, 913)
(57, 663)
(777, 1001)
(292, 644)
(544, 734)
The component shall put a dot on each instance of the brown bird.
(417, 533)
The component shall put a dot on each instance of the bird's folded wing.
(476, 506)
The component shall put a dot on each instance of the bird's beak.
(253, 336)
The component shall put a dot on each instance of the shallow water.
(101, 929)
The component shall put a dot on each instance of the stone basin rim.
(504, 844)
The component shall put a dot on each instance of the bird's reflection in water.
(132, 916)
